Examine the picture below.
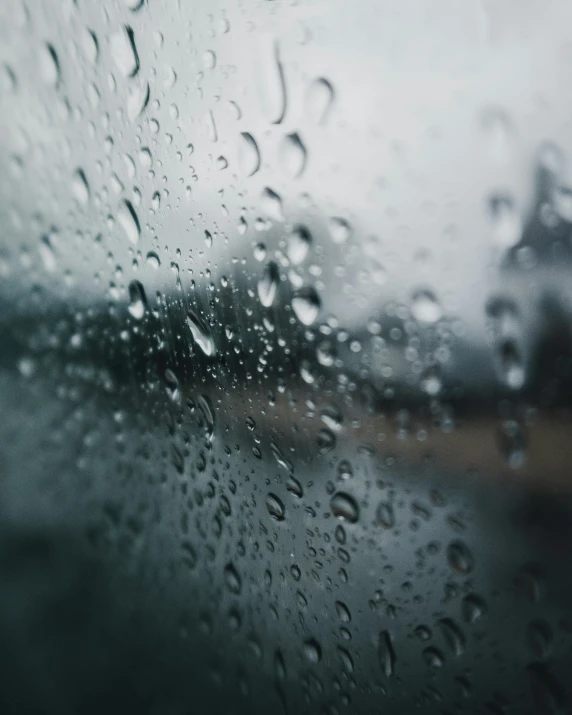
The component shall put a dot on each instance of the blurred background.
(285, 357)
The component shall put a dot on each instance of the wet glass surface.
(286, 357)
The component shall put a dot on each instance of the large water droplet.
(248, 154)
(424, 307)
(319, 98)
(275, 507)
(268, 284)
(124, 51)
(292, 155)
(386, 654)
(473, 608)
(299, 242)
(433, 658)
(201, 334)
(137, 100)
(344, 507)
(137, 300)
(306, 305)
(271, 87)
(129, 221)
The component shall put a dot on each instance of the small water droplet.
(201, 334)
(153, 260)
(271, 87)
(424, 307)
(433, 658)
(312, 651)
(460, 558)
(343, 612)
(49, 65)
(326, 441)
(124, 51)
(319, 98)
(209, 60)
(272, 204)
(232, 579)
(306, 305)
(292, 155)
(473, 608)
(294, 487)
(90, 46)
(454, 637)
(248, 154)
(385, 515)
(129, 221)
(505, 220)
(340, 230)
(299, 242)
(344, 507)
(137, 300)
(80, 187)
(275, 507)
(268, 284)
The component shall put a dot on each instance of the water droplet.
(294, 487)
(505, 220)
(124, 52)
(423, 633)
(424, 307)
(547, 693)
(343, 612)
(460, 558)
(505, 331)
(299, 242)
(386, 654)
(172, 385)
(133, 4)
(275, 507)
(340, 230)
(454, 637)
(347, 661)
(473, 608)
(326, 441)
(430, 381)
(221, 163)
(49, 65)
(80, 187)
(318, 101)
(248, 154)
(271, 87)
(268, 284)
(344, 507)
(209, 60)
(306, 305)
(201, 334)
(312, 651)
(272, 204)
(210, 126)
(232, 579)
(207, 410)
(433, 658)
(90, 46)
(153, 260)
(129, 221)
(292, 155)
(385, 515)
(137, 100)
(137, 300)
